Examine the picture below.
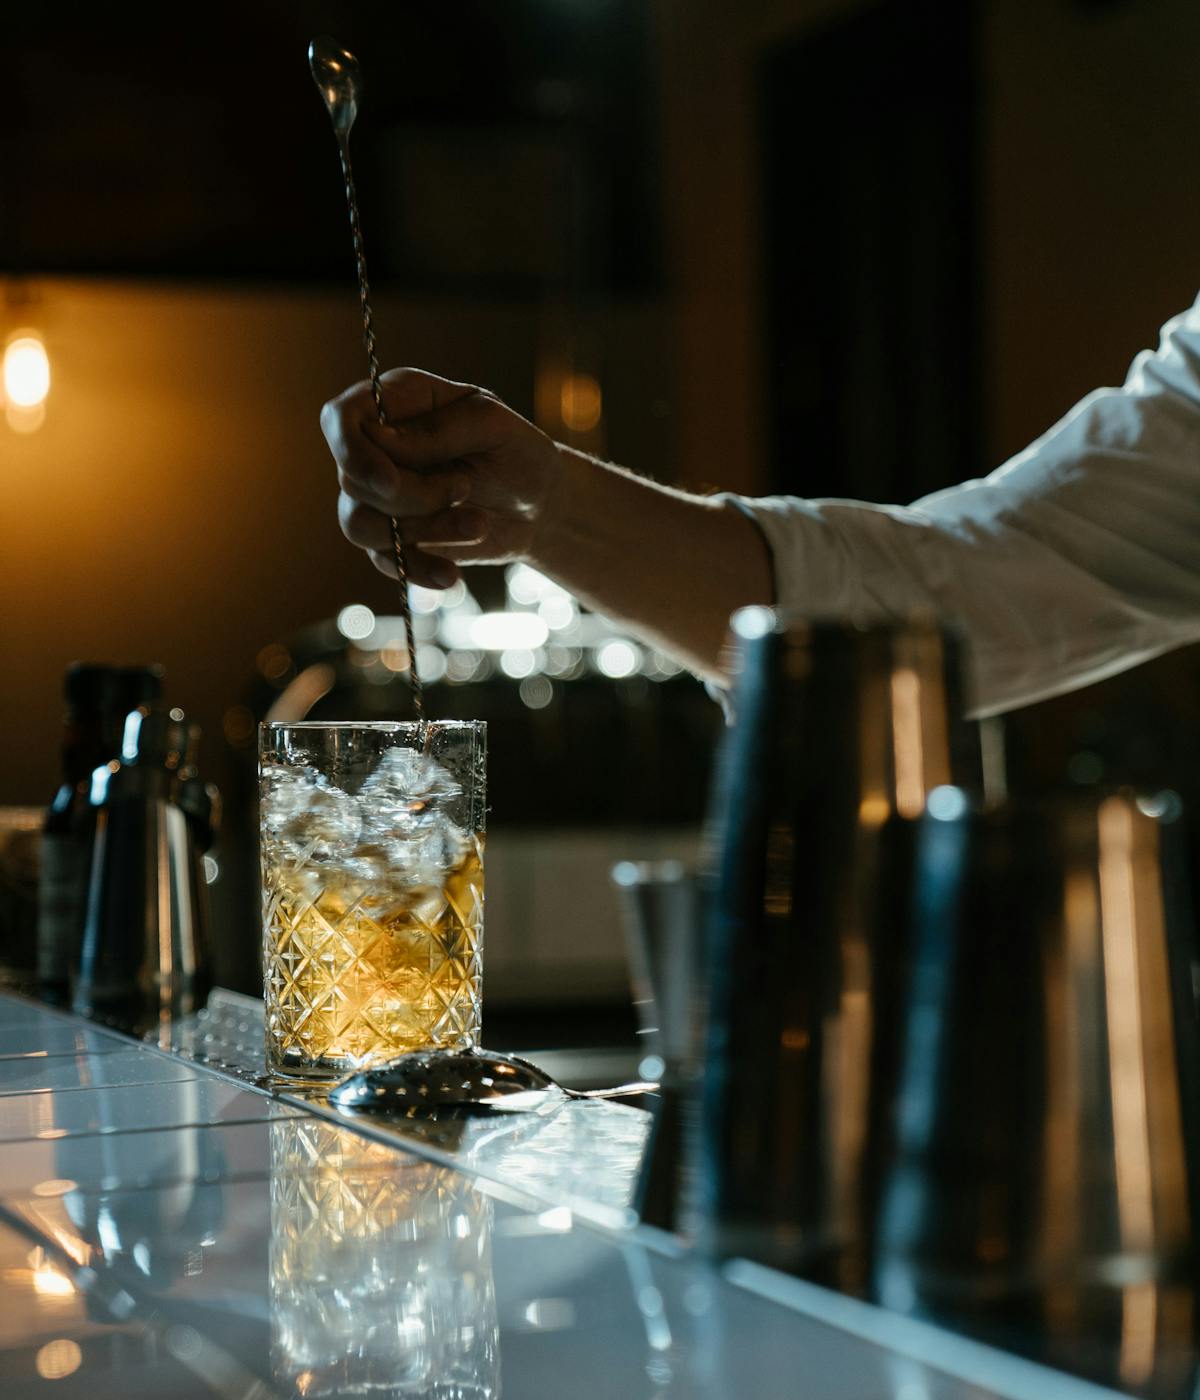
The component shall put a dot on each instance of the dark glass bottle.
(98, 699)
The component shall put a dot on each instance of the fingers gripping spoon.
(336, 73)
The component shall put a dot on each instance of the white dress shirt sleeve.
(1078, 558)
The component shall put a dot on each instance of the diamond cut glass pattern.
(372, 863)
(380, 1270)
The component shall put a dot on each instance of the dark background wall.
(654, 193)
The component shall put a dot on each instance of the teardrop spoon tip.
(338, 78)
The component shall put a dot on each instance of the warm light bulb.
(26, 370)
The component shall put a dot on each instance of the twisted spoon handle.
(368, 323)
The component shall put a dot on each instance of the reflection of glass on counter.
(381, 1271)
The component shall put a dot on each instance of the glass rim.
(379, 726)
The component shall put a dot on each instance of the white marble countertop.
(168, 1228)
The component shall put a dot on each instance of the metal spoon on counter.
(469, 1081)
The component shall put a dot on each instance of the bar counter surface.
(168, 1228)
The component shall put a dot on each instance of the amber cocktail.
(372, 873)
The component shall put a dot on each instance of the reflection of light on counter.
(658, 1370)
(58, 1359)
(650, 1305)
(356, 622)
(58, 1186)
(47, 1280)
(110, 1239)
(550, 1314)
(698, 1299)
(558, 1220)
(70, 1244)
(184, 1342)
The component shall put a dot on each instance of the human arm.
(1078, 558)
(473, 482)
(1075, 560)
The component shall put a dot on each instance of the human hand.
(466, 477)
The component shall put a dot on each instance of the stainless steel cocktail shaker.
(840, 734)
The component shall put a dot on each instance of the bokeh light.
(26, 370)
(581, 402)
(58, 1359)
(356, 622)
(618, 658)
(536, 692)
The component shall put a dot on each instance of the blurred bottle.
(145, 941)
(98, 699)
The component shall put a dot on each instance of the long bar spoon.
(469, 1080)
(336, 73)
